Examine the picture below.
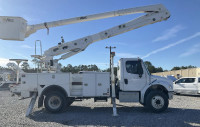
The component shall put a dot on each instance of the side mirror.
(140, 74)
(139, 68)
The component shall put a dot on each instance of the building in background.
(190, 72)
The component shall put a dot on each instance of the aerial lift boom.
(154, 13)
(16, 28)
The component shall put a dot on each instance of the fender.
(49, 89)
(167, 86)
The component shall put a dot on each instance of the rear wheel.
(157, 101)
(55, 102)
(69, 101)
(142, 104)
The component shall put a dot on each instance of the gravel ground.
(182, 111)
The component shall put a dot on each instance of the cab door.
(135, 77)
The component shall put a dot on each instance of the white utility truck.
(57, 90)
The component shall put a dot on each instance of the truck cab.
(136, 84)
(132, 74)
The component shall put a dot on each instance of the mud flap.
(31, 105)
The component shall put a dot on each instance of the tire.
(142, 104)
(157, 101)
(55, 102)
(69, 101)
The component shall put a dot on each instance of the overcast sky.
(175, 42)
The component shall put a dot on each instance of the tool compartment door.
(103, 84)
(29, 82)
(89, 85)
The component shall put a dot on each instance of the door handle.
(126, 81)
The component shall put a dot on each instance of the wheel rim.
(157, 102)
(54, 102)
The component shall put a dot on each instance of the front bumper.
(170, 94)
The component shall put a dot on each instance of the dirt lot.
(182, 111)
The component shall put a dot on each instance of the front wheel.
(157, 101)
(55, 102)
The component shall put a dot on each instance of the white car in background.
(187, 85)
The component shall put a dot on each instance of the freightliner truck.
(56, 90)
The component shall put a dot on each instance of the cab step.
(100, 99)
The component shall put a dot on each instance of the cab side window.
(186, 80)
(134, 67)
(199, 80)
(190, 80)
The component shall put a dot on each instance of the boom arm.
(153, 8)
(154, 13)
(16, 28)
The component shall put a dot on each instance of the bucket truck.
(56, 90)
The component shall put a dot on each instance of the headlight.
(170, 87)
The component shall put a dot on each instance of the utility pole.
(110, 47)
(113, 96)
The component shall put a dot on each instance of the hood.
(161, 79)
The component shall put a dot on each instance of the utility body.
(134, 84)
(57, 90)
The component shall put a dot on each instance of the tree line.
(183, 67)
(75, 69)
(153, 69)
